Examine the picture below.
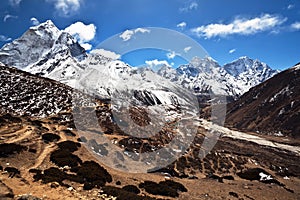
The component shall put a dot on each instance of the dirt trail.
(244, 136)
(20, 135)
(43, 155)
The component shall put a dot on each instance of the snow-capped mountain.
(115, 79)
(272, 107)
(46, 51)
(206, 75)
(31, 46)
(49, 52)
(248, 72)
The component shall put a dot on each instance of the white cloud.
(126, 35)
(34, 21)
(181, 25)
(106, 53)
(155, 64)
(66, 7)
(4, 38)
(240, 26)
(190, 5)
(8, 16)
(296, 26)
(186, 49)
(231, 51)
(82, 33)
(141, 30)
(171, 55)
(15, 2)
(291, 6)
(86, 46)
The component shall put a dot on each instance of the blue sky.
(227, 29)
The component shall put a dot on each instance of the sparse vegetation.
(12, 171)
(64, 158)
(164, 188)
(93, 173)
(69, 133)
(50, 175)
(50, 137)
(69, 146)
(122, 194)
(131, 188)
(9, 149)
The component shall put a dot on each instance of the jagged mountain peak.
(47, 26)
(201, 62)
(32, 45)
(247, 65)
(46, 51)
(233, 79)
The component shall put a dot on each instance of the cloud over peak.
(82, 33)
(34, 21)
(240, 26)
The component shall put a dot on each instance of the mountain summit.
(249, 72)
(45, 50)
(31, 46)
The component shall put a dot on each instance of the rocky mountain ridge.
(205, 76)
(271, 107)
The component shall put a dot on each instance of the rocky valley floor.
(47, 159)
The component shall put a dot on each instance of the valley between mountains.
(50, 147)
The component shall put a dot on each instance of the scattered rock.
(234, 194)
(70, 188)
(28, 197)
(54, 185)
(82, 139)
(118, 183)
(251, 174)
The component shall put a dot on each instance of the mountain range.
(46, 51)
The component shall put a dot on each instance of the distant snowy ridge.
(205, 76)
(46, 51)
